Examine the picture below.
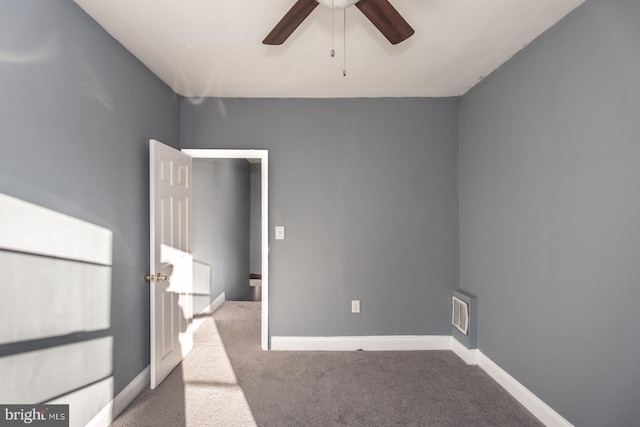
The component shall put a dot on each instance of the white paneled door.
(171, 260)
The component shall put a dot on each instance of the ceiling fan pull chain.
(344, 59)
(333, 19)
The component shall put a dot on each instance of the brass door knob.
(157, 278)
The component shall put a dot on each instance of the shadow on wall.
(55, 345)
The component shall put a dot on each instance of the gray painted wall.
(367, 191)
(76, 115)
(221, 223)
(549, 209)
(255, 251)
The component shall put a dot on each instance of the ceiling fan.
(380, 12)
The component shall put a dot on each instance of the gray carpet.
(229, 381)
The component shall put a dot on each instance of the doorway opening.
(262, 157)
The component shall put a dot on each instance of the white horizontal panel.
(38, 376)
(201, 278)
(47, 297)
(30, 228)
(201, 286)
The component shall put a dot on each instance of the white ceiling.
(213, 48)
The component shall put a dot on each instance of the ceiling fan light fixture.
(337, 4)
(380, 12)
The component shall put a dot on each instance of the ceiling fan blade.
(386, 19)
(290, 21)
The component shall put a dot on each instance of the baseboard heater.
(464, 314)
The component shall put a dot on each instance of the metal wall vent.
(460, 315)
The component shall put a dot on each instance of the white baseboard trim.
(215, 304)
(469, 356)
(537, 407)
(114, 408)
(369, 343)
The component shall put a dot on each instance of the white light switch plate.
(355, 306)
(279, 232)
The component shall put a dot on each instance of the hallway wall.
(255, 264)
(221, 210)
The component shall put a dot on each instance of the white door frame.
(263, 156)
